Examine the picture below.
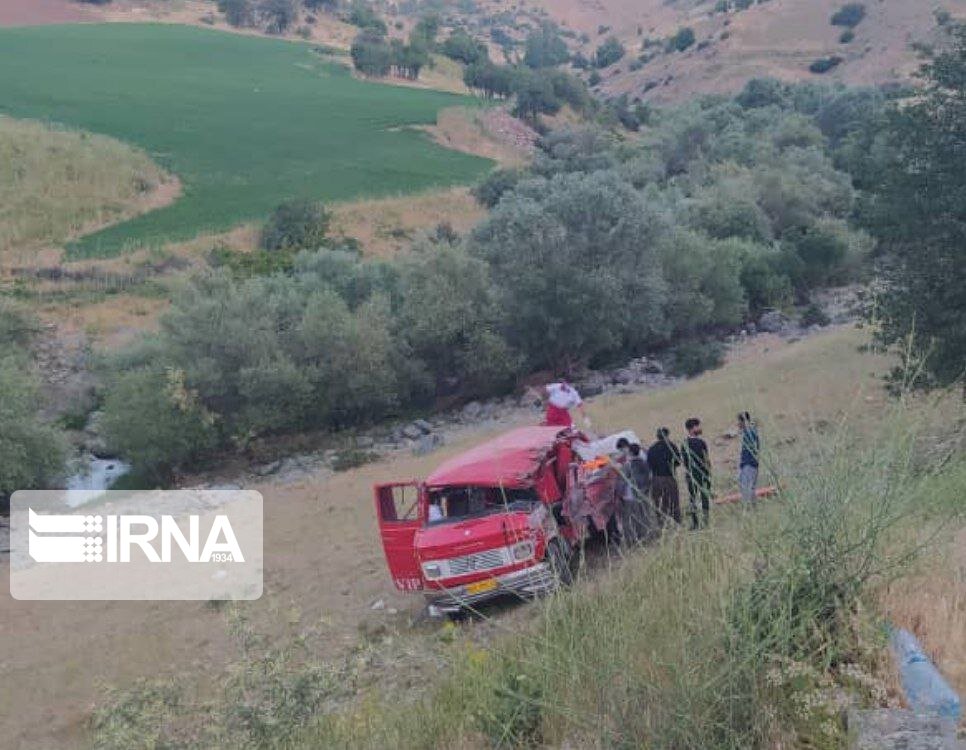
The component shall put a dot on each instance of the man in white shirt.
(561, 398)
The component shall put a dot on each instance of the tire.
(558, 558)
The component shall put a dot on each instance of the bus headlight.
(432, 571)
(522, 551)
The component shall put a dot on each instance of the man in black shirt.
(663, 458)
(697, 471)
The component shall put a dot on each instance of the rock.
(365, 441)
(773, 321)
(653, 367)
(424, 426)
(752, 329)
(895, 729)
(428, 443)
(263, 470)
(624, 376)
(488, 411)
(412, 432)
(593, 384)
(471, 411)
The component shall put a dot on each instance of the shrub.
(17, 325)
(362, 15)
(594, 78)
(814, 315)
(847, 36)
(462, 47)
(609, 52)
(156, 422)
(278, 15)
(299, 224)
(850, 15)
(690, 358)
(825, 64)
(545, 47)
(238, 12)
(494, 185)
(32, 453)
(683, 39)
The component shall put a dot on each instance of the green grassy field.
(245, 122)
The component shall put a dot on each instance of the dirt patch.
(492, 133)
(39, 12)
(385, 226)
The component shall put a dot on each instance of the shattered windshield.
(459, 503)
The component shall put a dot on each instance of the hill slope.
(778, 38)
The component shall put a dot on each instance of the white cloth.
(563, 396)
(605, 446)
(435, 513)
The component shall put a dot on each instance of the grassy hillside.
(244, 122)
(734, 40)
(633, 654)
(55, 183)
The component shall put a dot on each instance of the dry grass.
(387, 225)
(326, 29)
(56, 184)
(931, 602)
(466, 129)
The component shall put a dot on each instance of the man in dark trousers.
(697, 472)
(663, 458)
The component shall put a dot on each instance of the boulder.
(428, 443)
(424, 426)
(773, 321)
(412, 432)
(624, 376)
(900, 729)
(270, 467)
(471, 411)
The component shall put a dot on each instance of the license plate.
(481, 587)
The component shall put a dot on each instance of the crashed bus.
(504, 517)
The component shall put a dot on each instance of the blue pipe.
(926, 689)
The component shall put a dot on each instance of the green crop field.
(245, 122)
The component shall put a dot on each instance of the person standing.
(697, 472)
(663, 458)
(748, 459)
(561, 398)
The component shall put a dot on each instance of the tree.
(32, 453)
(683, 39)
(849, 15)
(534, 95)
(278, 15)
(576, 268)
(408, 59)
(362, 15)
(609, 52)
(545, 48)
(462, 47)
(920, 218)
(495, 81)
(425, 31)
(238, 12)
(296, 225)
